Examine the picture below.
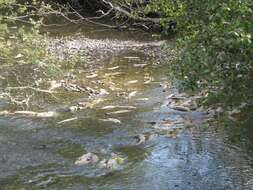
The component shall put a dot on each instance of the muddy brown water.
(39, 153)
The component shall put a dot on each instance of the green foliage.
(167, 8)
(215, 41)
(20, 40)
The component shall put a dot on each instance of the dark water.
(39, 153)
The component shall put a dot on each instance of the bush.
(20, 40)
(215, 41)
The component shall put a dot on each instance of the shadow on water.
(94, 31)
(40, 153)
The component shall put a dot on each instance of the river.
(127, 98)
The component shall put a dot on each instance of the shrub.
(215, 41)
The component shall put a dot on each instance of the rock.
(89, 158)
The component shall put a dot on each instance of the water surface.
(38, 153)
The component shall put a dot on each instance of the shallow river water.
(40, 153)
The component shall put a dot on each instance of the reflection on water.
(40, 153)
(92, 31)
